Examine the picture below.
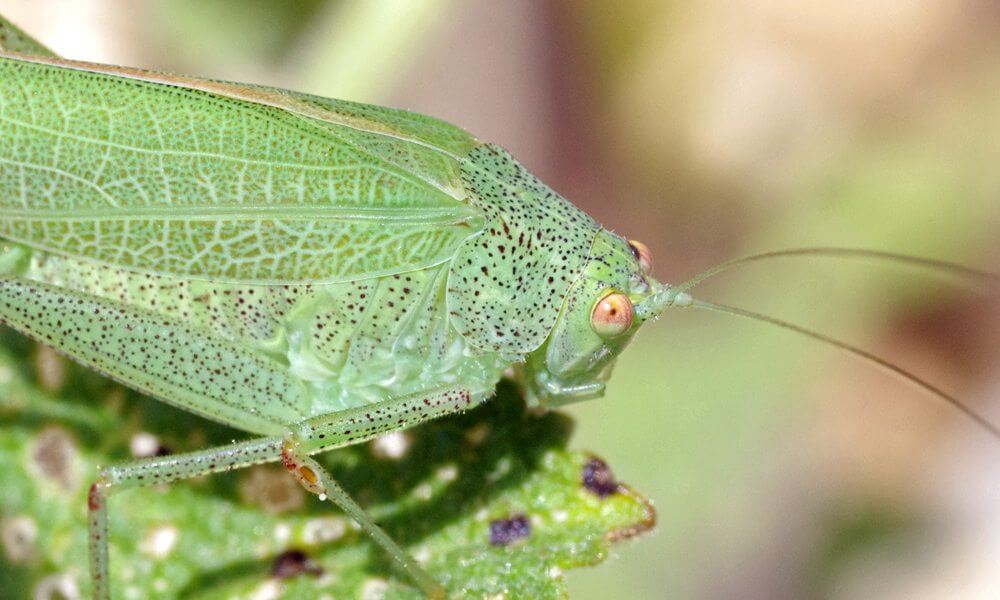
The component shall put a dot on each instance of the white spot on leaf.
(391, 446)
(272, 489)
(61, 586)
(53, 453)
(424, 491)
(268, 590)
(374, 589)
(323, 530)
(159, 541)
(143, 445)
(18, 535)
(50, 368)
(282, 533)
(447, 473)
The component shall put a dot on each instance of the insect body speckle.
(509, 281)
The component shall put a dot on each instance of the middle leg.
(156, 470)
(359, 425)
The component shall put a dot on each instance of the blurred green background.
(710, 130)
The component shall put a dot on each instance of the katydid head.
(611, 299)
(576, 365)
(615, 294)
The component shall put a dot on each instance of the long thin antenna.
(903, 259)
(858, 352)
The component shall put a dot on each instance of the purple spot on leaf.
(292, 563)
(598, 478)
(507, 531)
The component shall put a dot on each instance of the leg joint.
(98, 494)
(304, 469)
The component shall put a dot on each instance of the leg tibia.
(364, 423)
(357, 425)
(166, 469)
(330, 431)
(315, 478)
(160, 470)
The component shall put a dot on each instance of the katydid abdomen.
(297, 242)
(344, 345)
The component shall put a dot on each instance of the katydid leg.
(308, 437)
(351, 426)
(156, 470)
(317, 480)
(357, 425)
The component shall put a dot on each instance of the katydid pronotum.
(311, 271)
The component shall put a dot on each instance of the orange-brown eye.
(643, 255)
(612, 315)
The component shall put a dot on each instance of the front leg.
(363, 423)
(317, 480)
(358, 425)
(156, 470)
(293, 449)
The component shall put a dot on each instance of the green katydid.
(312, 271)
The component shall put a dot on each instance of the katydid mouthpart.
(314, 272)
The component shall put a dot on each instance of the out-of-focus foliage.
(490, 501)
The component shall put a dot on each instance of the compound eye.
(612, 315)
(643, 255)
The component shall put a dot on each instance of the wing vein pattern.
(132, 171)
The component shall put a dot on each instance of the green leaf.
(457, 493)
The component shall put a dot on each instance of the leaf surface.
(491, 501)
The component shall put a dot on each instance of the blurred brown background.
(710, 130)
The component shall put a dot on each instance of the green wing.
(213, 180)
